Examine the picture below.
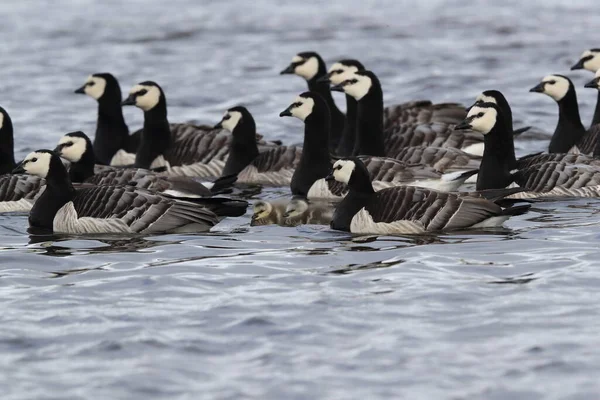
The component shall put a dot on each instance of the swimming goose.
(112, 133)
(273, 166)
(301, 211)
(570, 135)
(407, 209)
(539, 179)
(310, 66)
(364, 86)
(105, 209)
(77, 148)
(590, 60)
(315, 162)
(195, 152)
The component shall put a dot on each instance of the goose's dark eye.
(34, 159)
(297, 104)
(480, 115)
(68, 144)
(226, 117)
(338, 71)
(142, 92)
(551, 82)
(92, 83)
(338, 167)
(354, 81)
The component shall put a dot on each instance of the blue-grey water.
(297, 313)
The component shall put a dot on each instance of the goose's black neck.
(337, 118)
(348, 139)
(84, 168)
(369, 121)
(156, 136)
(315, 162)
(596, 119)
(7, 146)
(243, 148)
(347, 209)
(112, 133)
(569, 129)
(498, 158)
(59, 191)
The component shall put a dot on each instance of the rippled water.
(297, 313)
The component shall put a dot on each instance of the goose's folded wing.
(277, 158)
(545, 176)
(389, 170)
(434, 134)
(440, 158)
(568, 158)
(20, 187)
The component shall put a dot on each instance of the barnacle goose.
(310, 66)
(315, 162)
(194, 151)
(570, 135)
(407, 209)
(105, 209)
(538, 179)
(112, 133)
(590, 60)
(77, 148)
(364, 86)
(273, 166)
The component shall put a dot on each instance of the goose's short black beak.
(539, 88)
(592, 84)
(129, 101)
(463, 125)
(330, 177)
(219, 125)
(578, 65)
(288, 70)
(338, 88)
(324, 79)
(286, 113)
(19, 169)
(81, 90)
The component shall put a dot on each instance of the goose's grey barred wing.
(127, 209)
(440, 158)
(422, 112)
(273, 166)
(590, 140)
(429, 210)
(544, 177)
(568, 158)
(193, 145)
(435, 135)
(18, 192)
(390, 170)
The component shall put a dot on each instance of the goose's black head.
(74, 146)
(100, 86)
(359, 84)
(306, 106)
(309, 65)
(41, 163)
(234, 117)
(342, 70)
(146, 96)
(590, 60)
(491, 96)
(555, 86)
(483, 118)
(594, 83)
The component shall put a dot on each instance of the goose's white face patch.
(95, 86)
(308, 69)
(231, 122)
(1, 120)
(342, 170)
(37, 163)
(303, 107)
(485, 99)
(484, 119)
(73, 149)
(338, 73)
(556, 86)
(358, 86)
(592, 64)
(148, 99)
(296, 207)
(262, 209)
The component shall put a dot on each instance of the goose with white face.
(339, 72)
(356, 86)
(480, 118)
(306, 66)
(342, 170)
(230, 120)
(36, 163)
(301, 108)
(94, 87)
(555, 86)
(145, 97)
(71, 148)
(590, 60)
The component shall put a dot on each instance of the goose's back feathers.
(543, 178)
(440, 158)
(273, 166)
(422, 112)
(18, 192)
(568, 158)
